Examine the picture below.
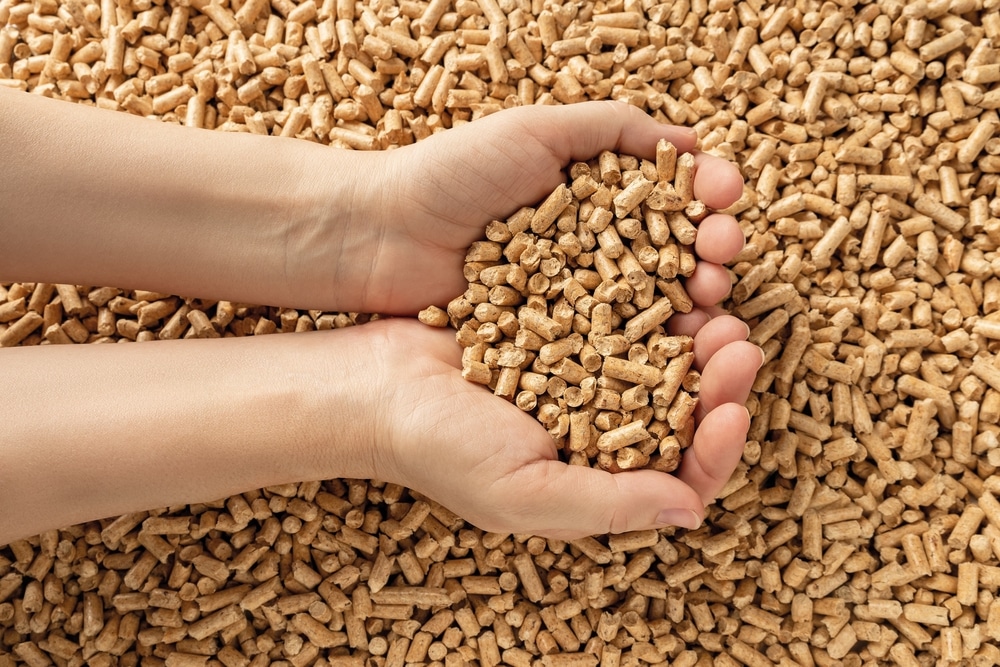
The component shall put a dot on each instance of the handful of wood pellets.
(566, 306)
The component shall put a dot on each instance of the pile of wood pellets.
(862, 525)
(601, 258)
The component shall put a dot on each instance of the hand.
(503, 472)
(445, 189)
(497, 467)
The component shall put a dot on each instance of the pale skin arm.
(181, 211)
(285, 222)
(99, 430)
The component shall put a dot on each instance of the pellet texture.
(861, 526)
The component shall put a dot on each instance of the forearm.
(95, 431)
(101, 198)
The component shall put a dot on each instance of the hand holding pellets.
(565, 307)
(409, 418)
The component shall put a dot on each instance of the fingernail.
(747, 334)
(683, 518)
(763, 358)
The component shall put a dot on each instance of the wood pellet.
(862, 525)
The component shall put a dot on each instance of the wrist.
(335, 388)
(335, 234)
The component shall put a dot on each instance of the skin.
(98, 198)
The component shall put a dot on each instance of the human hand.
(444, 190)
(514, 481)
(497, 467)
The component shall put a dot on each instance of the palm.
(469, 180)
(476, 177)
(435, 404)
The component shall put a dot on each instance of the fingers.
(728, 364)
(688, 324)
(717, 448)
(581, 131)
(714, 334)
(717, 182)
(709, 284)
(719, 239)
(728, 375)
(573, 501)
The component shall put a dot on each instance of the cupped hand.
(498, 468)
(478, 454)
(444, 190)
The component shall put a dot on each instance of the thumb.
(581, 131)
(574, 501)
